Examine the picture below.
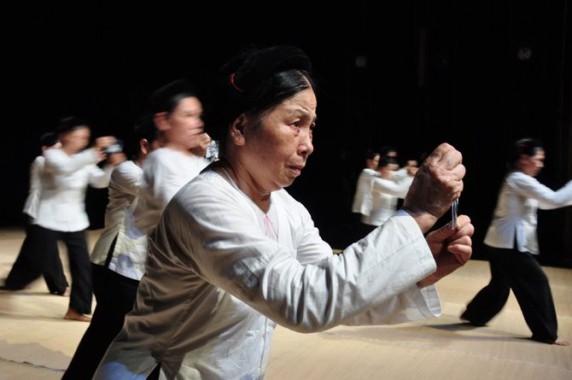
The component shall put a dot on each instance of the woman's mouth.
(296, 169)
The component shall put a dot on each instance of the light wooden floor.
(36, 343)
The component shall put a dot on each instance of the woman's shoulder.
(516, 177)
(161, 159)
(38, 163)
(518, 181)
(127, 169)
(54, 152)
(208, 183)
(159, 154)
(128, 166)
(209, 194)
(369, 172)
(39, 160)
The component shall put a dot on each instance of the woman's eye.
(296, 126)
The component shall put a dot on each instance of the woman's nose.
(306, 147)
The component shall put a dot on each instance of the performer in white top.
(61, 212)
(385, 192)
(512, 244)
(177, 112)
(362, 197)
(30, 263)
(165, 171)
(234, 253)
(48, 141)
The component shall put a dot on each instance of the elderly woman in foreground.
(235, 254)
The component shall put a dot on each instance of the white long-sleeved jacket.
(515, 215)
(165, 171)
(362, 198)
(215, 284)
(130, 250)
(384, 196)
(33, 199)
(64, 182)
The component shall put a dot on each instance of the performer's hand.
(451, 248)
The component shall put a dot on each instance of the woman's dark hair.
(370, 154)
(384, 151)
(69, 124)
(386, 160)
(525, 146)
(144, 129)
(48, 139)
(167, 97)
(253, 82)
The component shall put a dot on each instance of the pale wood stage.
(37, 343)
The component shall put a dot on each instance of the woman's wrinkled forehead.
(301, 105)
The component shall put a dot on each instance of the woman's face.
(183, 127)
(372, 163)
(387, 170)
(275, 151)
(75, 140)
(531, 165)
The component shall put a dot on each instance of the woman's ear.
(144, 147)
(237, 130)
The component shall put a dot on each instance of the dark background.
(410, 74)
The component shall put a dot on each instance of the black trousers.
(80, 267)
(520, 272)
(34, 260)
(115, 295)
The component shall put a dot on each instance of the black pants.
(115, 295)
(80, 267)
(520, 272)
(34, 260)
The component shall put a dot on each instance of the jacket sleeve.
(547, 198)
(99, 178)
(32, 201)
(59, 162)
(216, 235)
(126, 180)
(397, 189)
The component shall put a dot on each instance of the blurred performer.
(512, 245)
(61, 211)
(30, 263)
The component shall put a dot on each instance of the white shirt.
(384, 196)
(165, 171)
(33, 199)
(64, 181)
(400, 174)
(362, 198)
(215, 284)
(516, 211)
(130, 251)
(135, 202)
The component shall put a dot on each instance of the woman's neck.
(69, 151)
(241, 180)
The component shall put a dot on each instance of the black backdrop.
(410, 74)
